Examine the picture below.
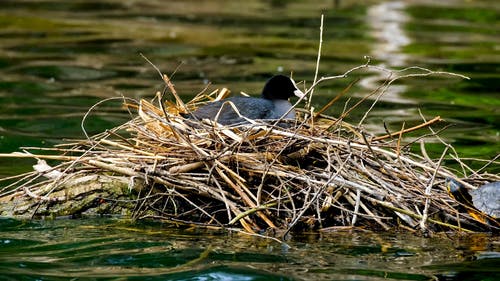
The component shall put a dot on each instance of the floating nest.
(319, 173)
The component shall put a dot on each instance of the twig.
(251, 211)
(308, 104)
(428, 192)
(414, 128)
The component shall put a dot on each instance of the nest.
(318, 173)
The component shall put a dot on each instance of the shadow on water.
(59, 58)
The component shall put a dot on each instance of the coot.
(272, 105)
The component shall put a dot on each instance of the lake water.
(58, 58)
(106, 249)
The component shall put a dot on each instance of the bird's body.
(273, 104)
(252, 108)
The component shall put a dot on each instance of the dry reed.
(319, 173)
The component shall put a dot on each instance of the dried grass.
(321, 173)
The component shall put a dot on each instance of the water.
(104, 249)
(58, 58)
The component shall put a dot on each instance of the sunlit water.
(58, 58)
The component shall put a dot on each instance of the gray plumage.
(272, 104)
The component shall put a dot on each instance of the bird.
(273, 104)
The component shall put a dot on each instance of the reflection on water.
(386, 21)
(58, 58)
(106, 248)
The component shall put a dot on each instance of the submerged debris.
(319, 173)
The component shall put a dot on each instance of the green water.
(58, 58)
(105, 249)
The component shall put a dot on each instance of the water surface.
(103, 249)
(58, 58)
